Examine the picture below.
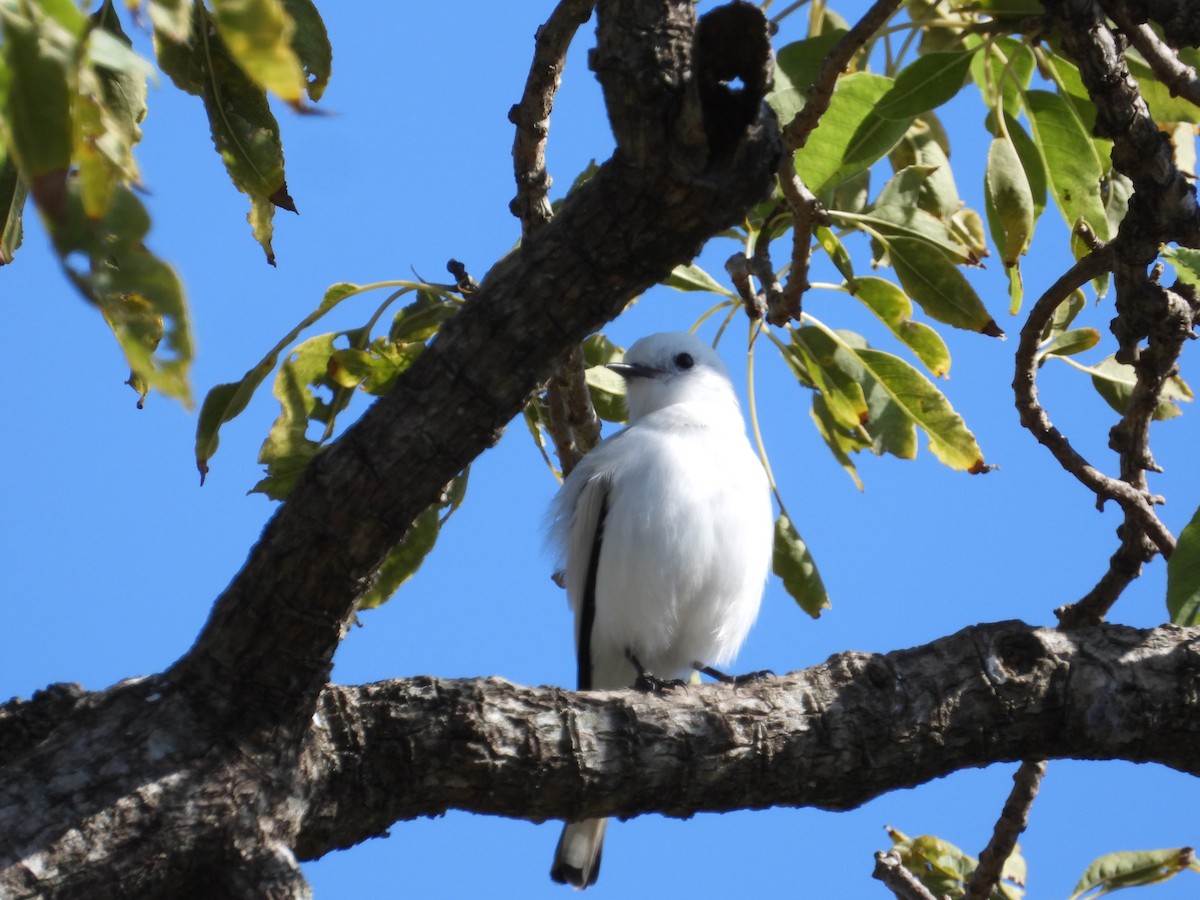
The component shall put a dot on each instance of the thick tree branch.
(832, 736)
(681, 173)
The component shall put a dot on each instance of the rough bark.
(832, 736)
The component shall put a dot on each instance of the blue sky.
(113, 553)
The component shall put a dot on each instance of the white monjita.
(664, 533)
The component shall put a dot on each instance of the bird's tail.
(577, 857)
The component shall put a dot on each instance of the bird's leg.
(649, 683)
(720, 676)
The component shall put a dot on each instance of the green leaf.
(913, 225)
(894, 309)
(1012, 65)
(402, 563)
(226, 401)
(841, 443)
(139, 295)
(310, 41)
(920, 403)
(1009, 200)
(1115, 381)
(258, 35)
(949, 439)
(1114, 871)
(1064, 315)
(946, 869)
(172, 19)
(288, 450)
(935, 190)
(1071, 159)
(796, 67)
(600, 351)
(406, 558)
(925, 84)
(815, 357)
(1163, 106)
(421, 319)
(836, 252)
(693, 278)
(1186, 263)
(1183, 576)
(852, 136)
(244, 131)
(12, 201)
(1068, 343)
(38, 54)
(933, 281)
(793, 563)
(607, 389)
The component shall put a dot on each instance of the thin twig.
(889, 869)
(573, 425)
(1012, 821)
(1035, 419)
(532, 114)
(807, 212)
(1180, 78)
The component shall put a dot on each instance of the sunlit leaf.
(921, 403)
(1009, 200)
(1074, 166)
(244, 130)
(1186, 263)
(793, 563)
(836, 252)
(924, 84)
(894, 309)
(814, 354)
(288, 449)
(1115, 382)
(1183, 576)
(796, 67)
(1068, 343)
(852, 135)
(421, 319)
(1114, 871)
(933, 281)
(172, 18)
(693, 278)
(258, 35)
(226, 401)
(607, 389)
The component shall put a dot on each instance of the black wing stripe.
(587, 612)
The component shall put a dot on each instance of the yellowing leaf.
(1139, 868)
(258, 34)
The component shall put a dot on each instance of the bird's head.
(670, 368)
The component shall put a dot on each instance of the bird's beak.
(632, 370)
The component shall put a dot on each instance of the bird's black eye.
(684, 361)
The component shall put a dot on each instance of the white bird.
(665, 532)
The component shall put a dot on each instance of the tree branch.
(1013, 819)
(833, 736)
(890, 869)
(532, 114)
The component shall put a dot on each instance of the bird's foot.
(718, 675)
(652, 684)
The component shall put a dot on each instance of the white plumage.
(673, 514)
